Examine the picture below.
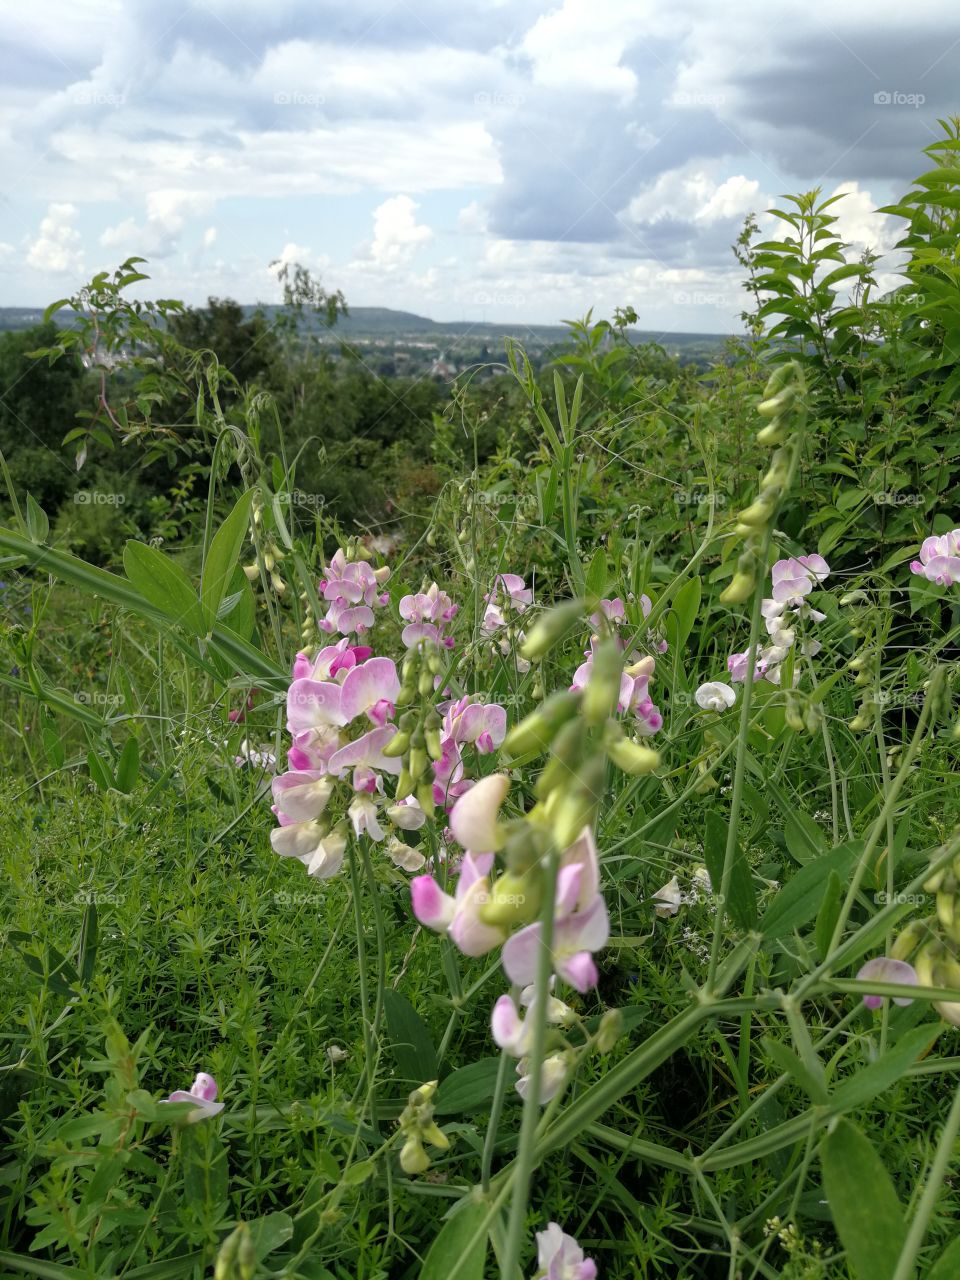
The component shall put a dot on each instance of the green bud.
(425, 798)
(397, 746)
(602, 693)
(775, 432)
(758, 514)
(536, 731)
(550, 628)
(236, 1257)
(418, 762)
(633, 758)
(610, 1030)
(740, 589)
(413, 1158)
(773, 406)
(434, 746)
(514, 899)
(404, 785)
(425, 683)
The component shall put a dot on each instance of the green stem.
(368, 1045)
(938, 1172)
(493, 1124)
(527, 1146)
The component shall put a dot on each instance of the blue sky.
(504, 161)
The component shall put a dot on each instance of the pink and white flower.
(427, 614)
(561, 1258)
(939, 559)
(459, 915)
(886, 969)
(796, 577)
(203, 1094)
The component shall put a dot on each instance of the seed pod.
(425, 798)
(775, 432)
(418, 762)
(758, 514)
(397, 746)
(425, 683)
(633, 758)
(537, 730)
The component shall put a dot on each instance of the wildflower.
(939, 559)
(581, 924)
(370, 689)
(459, 915)
(514, 1033)
(351, 588)
(312, 843)
(426, 613)
(336, 1053)
(260, 757)
(561, 1258)
(300, 797)
(553, 1073)
(884, 969)
(203, 1094)
(668, 899)
(795, 578)
(715, 695)
(473, 818)
(403, 856)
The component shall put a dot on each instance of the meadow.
(511, 833)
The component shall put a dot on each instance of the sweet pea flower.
(715, 696)
(668, 899)
(403, 855)
(608, 611)
(312, 748)
(473, 818)
(363, 814)
(203, 1094)
(370, 689)
(886, 969)
(319, 849)
(300, 797)
(561, 1258)
(553, 1073)
(459, 915)
(580, 927)
(313, 704)
(484, 724)
(796, 577)
(427, 614)
(939, 559)
(514, 1033)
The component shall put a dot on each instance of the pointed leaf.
(222, 556)
(866, 1210)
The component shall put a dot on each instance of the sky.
(502, 160)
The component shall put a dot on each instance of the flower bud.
(550, 628)
(774, 432)
(237, 1257)
(537, 730)
(602, 693)
(397, 746)
(740, 589)
(758, 514)
(514, 899)
(413, 1158)
(474, 818)
(610, 1030)
(631, 757)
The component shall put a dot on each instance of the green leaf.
(597, 573)
(459, 1252)
(163, 583)
(101, 775)
(870, 1081)
(270, 1233)
(413, 1049)
(683, 612)
(128, 766)
(798, 901)
(241, 616)
(787, 1061)
(828, 915)
(864, 1205)
(222, 557)
(38, 526)
(467, 1089)
(742, 904)
(947, 1266)
(89, 939)
(359, 1172)
(37, 1267)
(804, 838)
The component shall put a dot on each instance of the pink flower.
(301, 797)
(885, 969)
(473, 818)
(321, 851)
(459, 916)
(608, 611)
(203, 1094)
(561, 1258)
(427, 614)
(797, 577)
(366, 753)
(581, 924)
(939, 559)
(371, 689)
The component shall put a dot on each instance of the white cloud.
(396, 233)
(58, 248)
(209, 237)
(858, 221)
(690, 194)
(579, 46)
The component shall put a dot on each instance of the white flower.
(668, 899)
(715, 696)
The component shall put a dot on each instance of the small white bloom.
(715, 696)
(668, 898)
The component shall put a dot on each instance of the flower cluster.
(793, 580)
(635, 678)
(939, 559)
(509, 599)
(352, 589)
(426, 615)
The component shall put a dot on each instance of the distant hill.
(372, 323)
